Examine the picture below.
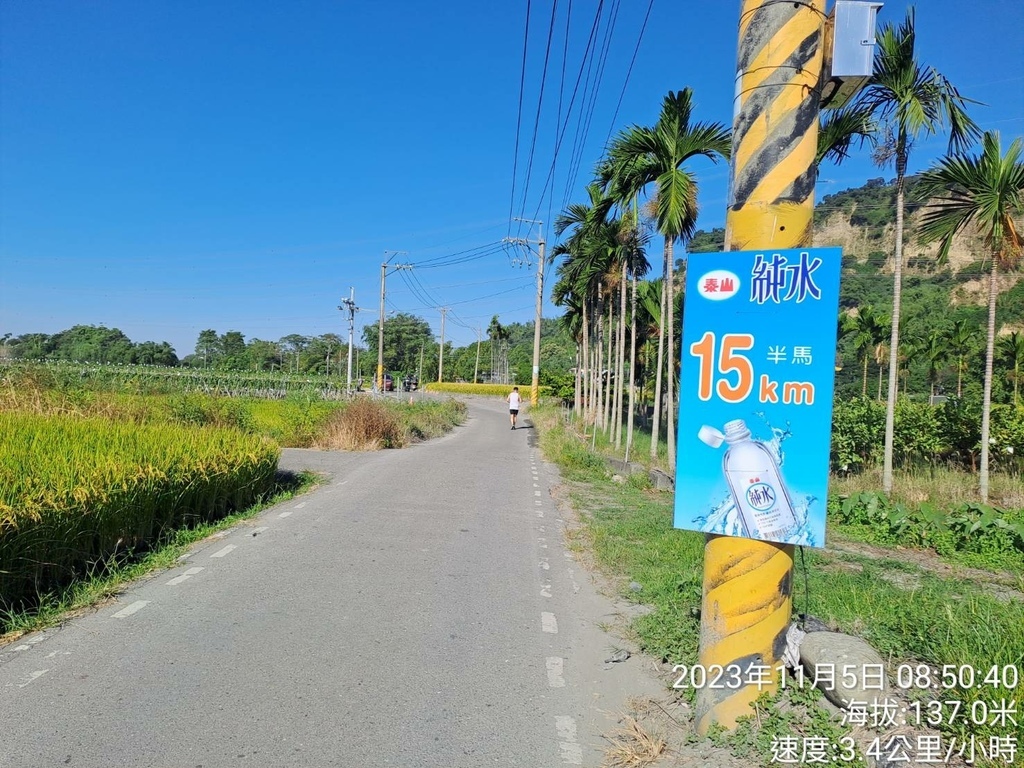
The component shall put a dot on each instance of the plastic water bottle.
(756, 485)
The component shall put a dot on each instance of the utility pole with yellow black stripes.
(747, 596)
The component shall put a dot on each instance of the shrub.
(857, 433)
(917, 435)
(925, 435)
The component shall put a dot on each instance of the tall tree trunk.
(670, 385)
(656, 424)
(894, 339)
(959, 375)
(587, 392)
(986, 402)
(577, 390)
(599, 383)
(609, 384)
(632, 370)
(620, 368)
(864, 387)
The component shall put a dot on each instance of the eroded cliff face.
(876, 245)
(863, 241)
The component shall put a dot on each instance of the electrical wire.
(460, 257)
(572, 101)
(561, 94)
(602, 61)
(519, 119)
(540, 104)
(629, 71)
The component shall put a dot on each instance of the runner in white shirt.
(514, 400)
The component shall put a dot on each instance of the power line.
(602, 61)
(519, 118)
(572, 100)
(629, 71)
(459, 257)
(561, 94)
(540, 104)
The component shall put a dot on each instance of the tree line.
(87, 343)
(410, 349)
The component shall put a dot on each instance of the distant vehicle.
(410, 384)
(389, 383)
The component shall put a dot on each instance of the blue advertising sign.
(755, 394)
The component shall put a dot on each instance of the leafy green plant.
(994, 536)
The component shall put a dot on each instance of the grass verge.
(108, 578)
(907, 613)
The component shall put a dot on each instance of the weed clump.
(365, 425)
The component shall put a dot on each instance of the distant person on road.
(514, 401)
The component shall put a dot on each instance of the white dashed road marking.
(185, 576)
(33, 676)
(572, 752)
(549, 623)
(261, 529)
(300, 505)
(226, 551)
(135, 607)
(284, 514)
(545, 590)
(555, 665)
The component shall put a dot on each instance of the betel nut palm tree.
(579, 277)
(1011, 351)
(908, 100)
(642, 156)
(985, 191)
(960, 338)
(632, 260)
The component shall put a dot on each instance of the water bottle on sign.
(755, 482)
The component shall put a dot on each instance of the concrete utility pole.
(380, 325)
(747, 595)
(476, 368)
(440, 353)
(350, 305)
(535, 381)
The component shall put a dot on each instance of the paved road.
(417, 610)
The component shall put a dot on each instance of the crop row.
(155, 379)
(74, 491)
(467, 388)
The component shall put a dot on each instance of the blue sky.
(170, 166)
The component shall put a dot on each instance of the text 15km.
(731, 362)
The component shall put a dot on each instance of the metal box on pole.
(849, 51)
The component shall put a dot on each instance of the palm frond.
(840, 129)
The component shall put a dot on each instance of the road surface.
(418, 609)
